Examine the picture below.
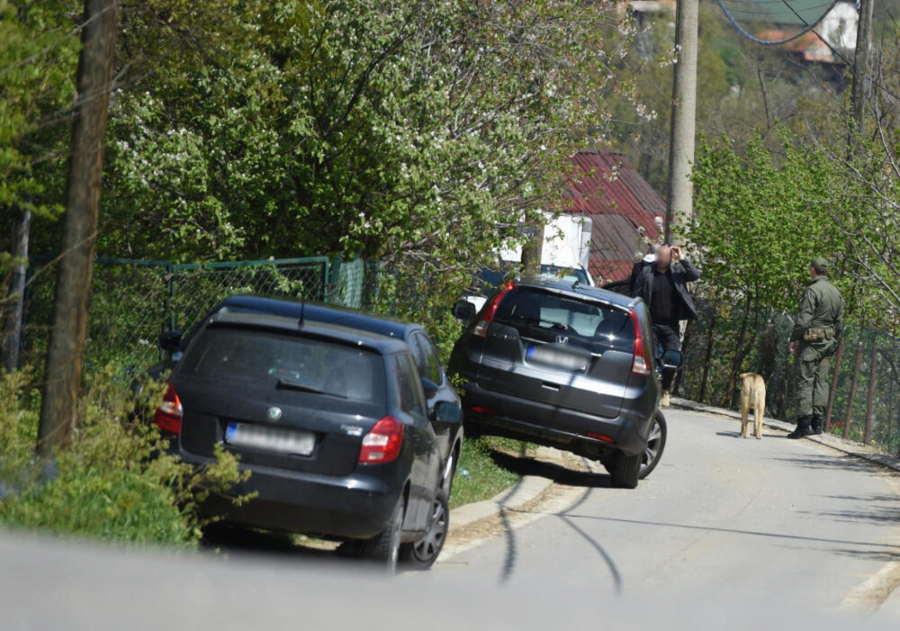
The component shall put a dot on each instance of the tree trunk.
(738, 357)
(59, 405)
(533, 250)
(12, 338)
(710, 340)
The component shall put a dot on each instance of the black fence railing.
(729, 339)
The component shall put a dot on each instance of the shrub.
(113, 481)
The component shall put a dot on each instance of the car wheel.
(656, 444)
(625, 471)
(385, 548)
(421, 554)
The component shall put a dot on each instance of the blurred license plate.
(275, 439)
(559, 357)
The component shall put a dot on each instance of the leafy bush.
(113, 481)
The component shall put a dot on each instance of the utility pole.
(684, 110)
(12, 336)
(861, 66)
(59, 404)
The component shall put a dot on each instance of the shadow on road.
(847, 463)
(226, 540)
(880, 510)
(525, 465)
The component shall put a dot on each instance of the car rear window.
(551, 317)
(264, 358)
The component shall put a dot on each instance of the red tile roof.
(613, 194)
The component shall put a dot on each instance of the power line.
(771, 11)
(775, 42)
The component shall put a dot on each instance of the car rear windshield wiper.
(287, 384)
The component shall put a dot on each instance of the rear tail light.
(603, 437)
(383, 442)
(641, 363)
(490, 310)
(170, 413)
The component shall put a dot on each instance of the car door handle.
(550, 386)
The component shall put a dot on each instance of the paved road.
(767, 534)
(775, 519)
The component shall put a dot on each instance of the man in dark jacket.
(663, 287)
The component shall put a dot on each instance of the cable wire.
(775, 42)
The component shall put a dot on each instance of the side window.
(412, 399)
(419, 354)
(433, 359)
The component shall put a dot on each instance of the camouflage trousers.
(813, 364)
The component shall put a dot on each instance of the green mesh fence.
(132, 302)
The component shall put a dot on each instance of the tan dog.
(753, 396)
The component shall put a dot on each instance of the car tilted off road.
(568, 366)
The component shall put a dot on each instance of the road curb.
(848, 447)
(525, 490)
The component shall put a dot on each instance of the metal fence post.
(834, 382)
(867, 437)
(170, 296)
(853, 390)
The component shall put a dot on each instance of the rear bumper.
(358, 506)
(556, 426)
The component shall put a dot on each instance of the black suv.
(568, 366)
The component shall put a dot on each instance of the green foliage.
(411, 132)
(760, 219)
(114, 481)
(37, 73)
(485, 477)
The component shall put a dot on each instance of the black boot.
(816, 426)
(803, 428)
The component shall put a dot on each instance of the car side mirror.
(447, 412)
(464, 311)
(429, 387)
(170, 341)
(672, 359)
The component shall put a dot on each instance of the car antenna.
(575, 284)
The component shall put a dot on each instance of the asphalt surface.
(781, 520)
(772, 533)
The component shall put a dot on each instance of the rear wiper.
(287, 384)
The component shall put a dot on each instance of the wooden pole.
(834, 382)
(680, 199)
(59, 404)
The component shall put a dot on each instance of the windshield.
(565, 273)
(549, 317)
(275, 360)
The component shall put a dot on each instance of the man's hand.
(792, 347)
(677, 253)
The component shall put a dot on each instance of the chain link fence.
(133, 301)
(729, 339)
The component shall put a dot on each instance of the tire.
(421, 554)
(625, 471)
(656, 444)
(384, 550)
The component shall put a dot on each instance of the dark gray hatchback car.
(567, 366)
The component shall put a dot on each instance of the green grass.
(485, 477)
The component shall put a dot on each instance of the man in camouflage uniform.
(815, 339)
